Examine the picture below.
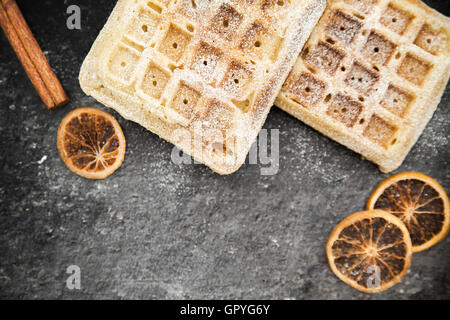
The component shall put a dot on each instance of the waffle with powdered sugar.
(201, 74)
(371, 76)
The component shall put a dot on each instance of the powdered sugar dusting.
(216, 66)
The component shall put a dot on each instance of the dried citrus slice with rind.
(420, 202)
(370, 250)
(91, 143)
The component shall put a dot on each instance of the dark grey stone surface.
(158, 230)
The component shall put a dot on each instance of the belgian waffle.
(371, 76)
(202, 74)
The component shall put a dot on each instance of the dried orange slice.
(370, 250)
(420, 202)
(91, 143)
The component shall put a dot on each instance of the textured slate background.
(158, 230)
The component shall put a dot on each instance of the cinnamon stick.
(30, 55)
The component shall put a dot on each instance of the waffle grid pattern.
(366, 72)
(203, 61)
(171, 44)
